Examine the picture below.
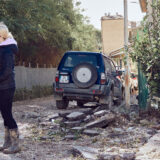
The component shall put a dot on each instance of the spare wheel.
(84, 75)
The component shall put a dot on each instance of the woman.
(8, 47)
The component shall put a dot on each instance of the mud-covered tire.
(108, 102)
(62, 104)
(123, 94)
(84, 75)
(120, 99)
(110, 99)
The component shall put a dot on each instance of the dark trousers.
(6, 98)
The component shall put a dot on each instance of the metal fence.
(27, 77)
(143, 89)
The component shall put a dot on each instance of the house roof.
(117, 52)
(143, 4)
(112, 17)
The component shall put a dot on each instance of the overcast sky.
(95, 9)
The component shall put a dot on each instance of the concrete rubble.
(100, 134)
(75, 116)
(85, 152)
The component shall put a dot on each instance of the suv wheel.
(84, 75)
(110, 100)
(119, 101)
(123, 94)
(62, 104)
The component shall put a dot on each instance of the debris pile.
(103, 134)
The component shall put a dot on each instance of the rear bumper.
(83, 97)
(72, 92)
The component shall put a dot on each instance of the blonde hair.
(4, 32)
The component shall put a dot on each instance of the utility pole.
(127, 67)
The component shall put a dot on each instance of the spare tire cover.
(84, 75)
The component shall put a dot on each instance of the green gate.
(143, 89)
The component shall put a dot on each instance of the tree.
(147, 49)
(45, 29)
(85, 36)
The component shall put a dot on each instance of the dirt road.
(42, 137)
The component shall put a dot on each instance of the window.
(73, 60)
(108, 67)
(113, 67)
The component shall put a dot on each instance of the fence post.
(143, 89)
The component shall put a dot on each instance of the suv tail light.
(57, 77)
(103, 78)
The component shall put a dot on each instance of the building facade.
(112, 28)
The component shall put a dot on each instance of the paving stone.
(100, 113)
(54, 116)
(65, 113)
(77, 129)
(85, 152)
(86, 110)
(109, 157)
(91, 132)
(72, 124)
(101, 122)
(129, 156)
(76, 116)
(101, 107)
(88, 118)
(70, 137)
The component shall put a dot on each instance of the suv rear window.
(73, 60)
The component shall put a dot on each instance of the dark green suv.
(86, 77)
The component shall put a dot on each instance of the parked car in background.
(134, 83)
(87, 77)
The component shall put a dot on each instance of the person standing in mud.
(8, 47)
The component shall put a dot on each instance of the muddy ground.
(42, 137)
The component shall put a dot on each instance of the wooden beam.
(143, 4)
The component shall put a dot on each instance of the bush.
(147, 49)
